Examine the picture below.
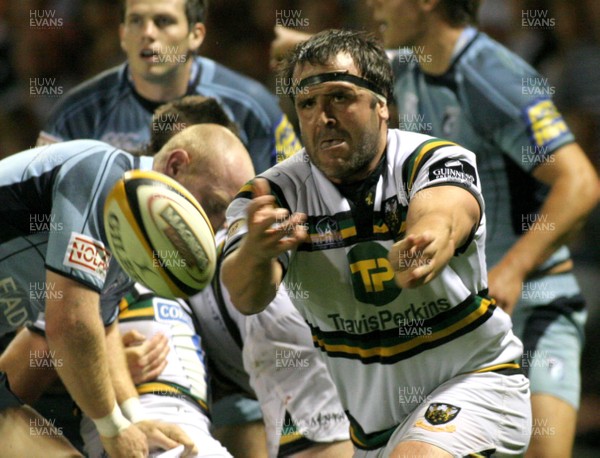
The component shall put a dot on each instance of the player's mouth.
(331, 143)
(149, 55)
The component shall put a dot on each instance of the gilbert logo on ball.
(160, 234)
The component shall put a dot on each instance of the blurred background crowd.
(49, 46)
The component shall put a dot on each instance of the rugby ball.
(159, 234)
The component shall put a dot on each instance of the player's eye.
(163, 21)
(306, 103)
(134, 20)
(339, 96)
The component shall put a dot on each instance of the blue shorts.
(235, 409)
(553, 338)
(7, 397)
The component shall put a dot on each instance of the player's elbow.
(588, 190)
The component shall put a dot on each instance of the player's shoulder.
(105, 84)
(487, 70)
(232, 84)
(296, 168)
(92, 97)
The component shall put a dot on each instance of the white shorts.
(299, 401)
(170, 410)
(487, 414)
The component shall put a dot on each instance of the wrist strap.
(112, 424)
(133, 410)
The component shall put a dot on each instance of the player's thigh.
(552, 338)
(243, 440)
(553, 429)
(342, 449)
(26, 433)
(470, 414)
(418, 449)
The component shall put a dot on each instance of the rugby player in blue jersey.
(455, 82)
(161, 39)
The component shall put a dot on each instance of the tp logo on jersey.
(372, 274)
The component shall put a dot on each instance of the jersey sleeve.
(512, 104)
(78, 249)
(439, 162)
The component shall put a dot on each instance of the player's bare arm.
(76, 337)
(574, 192)
(252, 272)
(440, 220)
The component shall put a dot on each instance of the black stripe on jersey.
(234, 331)
(377, 342)
(408, 167)
(344, 222)
(77, 279)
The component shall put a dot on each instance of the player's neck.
(436, 49)
(167, 87)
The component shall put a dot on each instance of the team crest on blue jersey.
(372, 274)
(438, 414)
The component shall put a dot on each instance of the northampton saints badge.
(438, 414)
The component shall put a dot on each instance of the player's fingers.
(182, 438)
(132, 337)
(157, 347)
(260, 187)
(153, 373)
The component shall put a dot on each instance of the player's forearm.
(562, 215)
(251, 283)
(119, 372)
(78, 344)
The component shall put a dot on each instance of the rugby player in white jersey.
(393, 264)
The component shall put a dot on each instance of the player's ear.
(384, 111)
(196, 37)
(177, 161)
(122, 36)
(428, 5)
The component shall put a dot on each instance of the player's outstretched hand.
(129, 443)
(417, 259)
(146, 358)
(271, 231)
(166, 436)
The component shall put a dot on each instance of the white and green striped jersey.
(376, 338)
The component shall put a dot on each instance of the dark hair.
(366, 52)
(172, 117)
(195, 10)
(459, 12)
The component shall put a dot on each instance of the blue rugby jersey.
(493, 103)
(108, 108)
(52, 218)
